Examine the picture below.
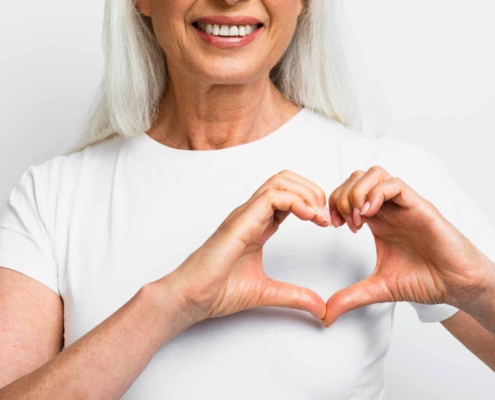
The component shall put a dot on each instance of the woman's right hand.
(225, 275)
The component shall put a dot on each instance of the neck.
(197, 116)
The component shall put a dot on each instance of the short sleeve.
(25, 244)
(430, 179)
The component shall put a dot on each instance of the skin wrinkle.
(220, 99)
(212, 101)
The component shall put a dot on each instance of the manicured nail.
(351, 225)
(326, 214)
(356, 216)
(313, 210)
(336, 221)
(365, 208)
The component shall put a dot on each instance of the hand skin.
(225, 275)
(421, 257)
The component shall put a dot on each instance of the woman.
(128, 248)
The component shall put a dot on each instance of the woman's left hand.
(421, 257)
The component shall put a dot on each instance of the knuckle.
(276, 179)
(375, 169)
(396, 181)
(279, 181)
(355, 196)
(373, 193)
(332, 202)
(284, 172)
(342, 204)
(269, 192)
(357, 174)
(320, 194)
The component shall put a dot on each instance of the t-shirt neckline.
(166, 154)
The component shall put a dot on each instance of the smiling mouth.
(227, 30)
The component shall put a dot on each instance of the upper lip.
(223, 20)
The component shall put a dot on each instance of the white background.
(428, 65)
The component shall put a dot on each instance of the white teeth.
(224, 30)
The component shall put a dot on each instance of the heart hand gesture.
(225, 275)
(421, 257)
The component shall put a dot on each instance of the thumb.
(282, 294)
(370, 290)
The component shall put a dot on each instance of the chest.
(138, 232)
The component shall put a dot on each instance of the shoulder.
(361, 151)
(57, 179)
(358, 150)
(63, 168)
(321, 127)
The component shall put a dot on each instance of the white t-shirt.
(98, 224)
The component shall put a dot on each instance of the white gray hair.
(312, 73)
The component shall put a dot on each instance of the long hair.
(313, 72)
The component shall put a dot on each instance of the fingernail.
(356, 217)
(313, 210)
(351, 225)
(326, 214)
(365, 208)
(337, 221)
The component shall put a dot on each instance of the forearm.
(479, 303)
(105, 362)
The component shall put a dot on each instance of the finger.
(357, 194)
(365, 292)
(337, 218)
(342, 202)
(332, 199)
(255, 218)
(313, 195)
(248, 223)
(395, 190)
(306, 189)
(282, 294)
(339, 200)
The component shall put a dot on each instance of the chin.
(230, 74)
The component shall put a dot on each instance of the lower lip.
(226, 42)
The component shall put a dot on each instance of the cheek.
(284, 10)
(168, 22)
(177, 8)
(283, 16)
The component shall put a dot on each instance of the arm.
(473, 336)
(421, 256)
(30, 338)
(475, 327)
(99, 360)
(224, 276)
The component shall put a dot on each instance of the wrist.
(165, 302)
(479, 301)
